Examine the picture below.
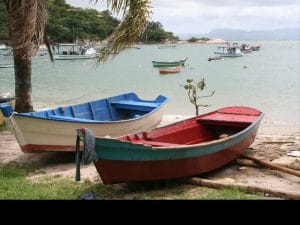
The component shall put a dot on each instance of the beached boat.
(73, 51)
(230, 51)
(169, 70)
(185, 148)
(55, 129)
(169, 63)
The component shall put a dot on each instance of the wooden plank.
(135, 105)
(92, 111)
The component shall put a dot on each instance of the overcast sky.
(201, 16)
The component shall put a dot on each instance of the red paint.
(44, 148)
(109, 170)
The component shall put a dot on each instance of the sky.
(202, 16)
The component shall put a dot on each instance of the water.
(268, 80)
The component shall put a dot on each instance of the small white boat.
(73, 51)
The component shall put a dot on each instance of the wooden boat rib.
(169, 63)
(189, 147)
(55, 129)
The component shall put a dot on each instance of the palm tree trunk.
(22, 80)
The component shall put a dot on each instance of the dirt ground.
(274, 143)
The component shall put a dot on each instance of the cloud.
(202, 16)
(190, 16)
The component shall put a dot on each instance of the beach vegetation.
(155, 33)
(193, 88)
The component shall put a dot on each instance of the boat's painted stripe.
(42, 148)
(111, 149)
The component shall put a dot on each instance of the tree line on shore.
(69, 24)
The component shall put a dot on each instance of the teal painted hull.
(189, 147)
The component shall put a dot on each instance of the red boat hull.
(109, 170)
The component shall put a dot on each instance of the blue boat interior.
(121, 107)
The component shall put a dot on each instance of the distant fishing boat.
(74, 51)
(186, 148)
(169, 63)
(55, 129)
(230, 51)
(169, 70)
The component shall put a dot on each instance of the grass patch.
(15, 185)
(233, 194)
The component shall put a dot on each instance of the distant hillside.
(235, 34)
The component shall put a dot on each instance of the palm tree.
(27, 21)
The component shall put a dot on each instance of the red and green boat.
(186, 148)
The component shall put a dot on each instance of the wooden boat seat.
(66, 118)
(223, 119)
(135, 105)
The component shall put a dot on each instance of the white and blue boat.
(55, 129)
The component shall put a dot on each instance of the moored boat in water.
(169, 63)
(73, 52)
(170, 70)
(230, 51)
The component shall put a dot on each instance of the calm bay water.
(268, 80)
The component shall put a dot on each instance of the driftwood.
(273, 166)
(250, 163)
(247, 162)
(243, 187)
(278, 142)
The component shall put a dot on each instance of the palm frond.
(136, 14)
(27, 20)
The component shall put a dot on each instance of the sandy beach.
(273, 143)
